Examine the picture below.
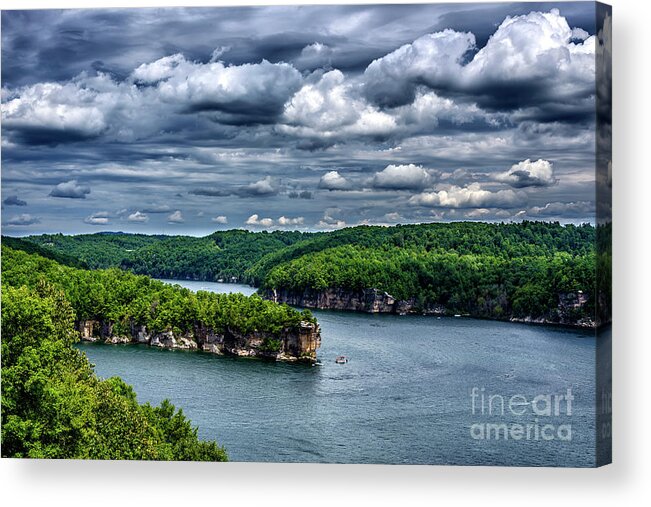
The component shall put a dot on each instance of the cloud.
(434, 59)
(243, 94)
(138, 217)
(167, 123)
(163, 68)
(314, 56)
(563, 209)
(261, 188)
(535, 55)
(331, 219)
(529, 174)
(256, 221)
(303, 194)
(13, 200)
(156, 208)
(70, 190)
(221, 219)
(22, 220)
(332, 180)
(52, 113)
(176, 217)
(210, 192)
(472, 196)
(282, 221)
(285, 221)
(529, 60)
(330, 110)
(402, 177)
(98, 218)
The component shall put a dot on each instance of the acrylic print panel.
(342, 234)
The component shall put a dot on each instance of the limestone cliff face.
(366, 300)
(289, 345)
(376, 301)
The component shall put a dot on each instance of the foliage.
(222, 255)
(48, 253)
(125, 299)
(488, 270)
(53, 404)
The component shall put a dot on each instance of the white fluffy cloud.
(537, 55)
(535, 48)
(472, 196)
(314, 56)
(330, 109)
(529, 174)
(251, 89)
(221, 219)
(71, 190)
(163, 68)
(256, 221)
(286, 221)
(260, 188)
(563, 209)
(332, 219)
(176, 217)
(98, 218)
(50, 113)
(332, 180)
(138, 217)
(402, 177)
(21, 220)
(434, 59)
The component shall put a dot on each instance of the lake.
(416, 390)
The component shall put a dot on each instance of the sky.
(191, 120)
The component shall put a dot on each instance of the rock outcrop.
(567, 313)
(291, 344)
(366, 300)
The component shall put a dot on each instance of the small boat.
(457, 315)
(341, 360)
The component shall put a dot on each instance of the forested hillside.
(221, 255)
(53, 404)
(517, 270)
(522, 271)
(125, 299)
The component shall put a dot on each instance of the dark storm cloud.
(46, 136)
(13, 200)
(211, 192)
(305, 194)
(396, 112)
(156, 208)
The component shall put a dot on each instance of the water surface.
(403, 397)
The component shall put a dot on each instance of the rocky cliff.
(366, 300)
(289, 345)
(376, 301)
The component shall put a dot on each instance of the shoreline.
(594, 327)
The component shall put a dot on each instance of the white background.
(627, 481)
